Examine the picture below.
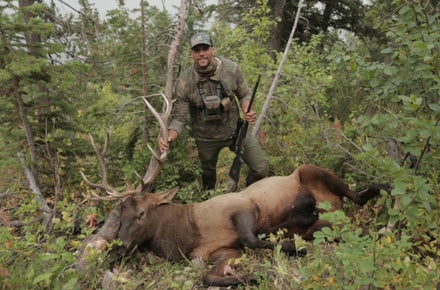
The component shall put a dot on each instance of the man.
(207, 92)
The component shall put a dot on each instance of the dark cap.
(201, 38)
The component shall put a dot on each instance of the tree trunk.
(144, 73)
(171, 72)
(99, 241)
(30, 39)
(27, 128)
(277, 7)
(35, 189)
(326, 17)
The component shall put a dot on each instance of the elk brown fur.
(219, 228)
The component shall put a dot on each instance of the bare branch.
(278, 74)
(174, 49)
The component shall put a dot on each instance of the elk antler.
(158, 158)
(163, 120)
(112, 193)
(154, 168)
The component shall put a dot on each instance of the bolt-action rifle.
(242, 128)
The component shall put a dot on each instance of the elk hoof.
(251, 280)
(301, 253)
(289, 247)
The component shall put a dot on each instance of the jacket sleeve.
(181, 108)
(242, 90)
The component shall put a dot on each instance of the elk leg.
(310, 175)
(223, 275)
(372, 191)
(245, 222)
(317, 226)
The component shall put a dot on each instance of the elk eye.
(141, 215)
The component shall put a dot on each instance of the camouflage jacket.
(188, 101)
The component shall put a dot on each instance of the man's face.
(203, 54)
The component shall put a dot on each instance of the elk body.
(217, 229)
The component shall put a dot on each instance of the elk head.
(139, 215)
(109, 231)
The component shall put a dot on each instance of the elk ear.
(167, 196)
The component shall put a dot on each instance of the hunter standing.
(208, 91)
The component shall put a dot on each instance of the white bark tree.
(273, 87)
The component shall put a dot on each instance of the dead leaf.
(4, 272)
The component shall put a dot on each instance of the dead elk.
(217, 229)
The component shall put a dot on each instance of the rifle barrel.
(254, 92)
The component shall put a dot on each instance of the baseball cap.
(201, 38)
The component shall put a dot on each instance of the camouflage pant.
(253, 156)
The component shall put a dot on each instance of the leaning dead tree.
(274, 85)
(171, 73)
(48, 212)
(108, 232)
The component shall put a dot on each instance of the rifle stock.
(234, 172)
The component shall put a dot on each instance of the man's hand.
(165, 145)
(251, 117)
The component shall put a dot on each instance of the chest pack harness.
(216, 104)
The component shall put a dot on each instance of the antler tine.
(158, 159)
(113, 194)
(101, 155)
(167, 111)
(143, 184)
(109, 197)
(106, 142)
(162, 120)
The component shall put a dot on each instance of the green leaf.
(387, 50)
(390, 70)
(5, 75)
(47, 257)
(326, 205)
(42, 277)
(318, 235)
(393, 212)
(434, 107)
(406, 200)
(327, 231)
(367, 147)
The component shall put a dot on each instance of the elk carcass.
(218, 229)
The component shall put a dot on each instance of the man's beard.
(207, 71)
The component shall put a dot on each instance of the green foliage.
(245, 44)
(299, 123)
(374, 260)
(337, 105)
(30, 259)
